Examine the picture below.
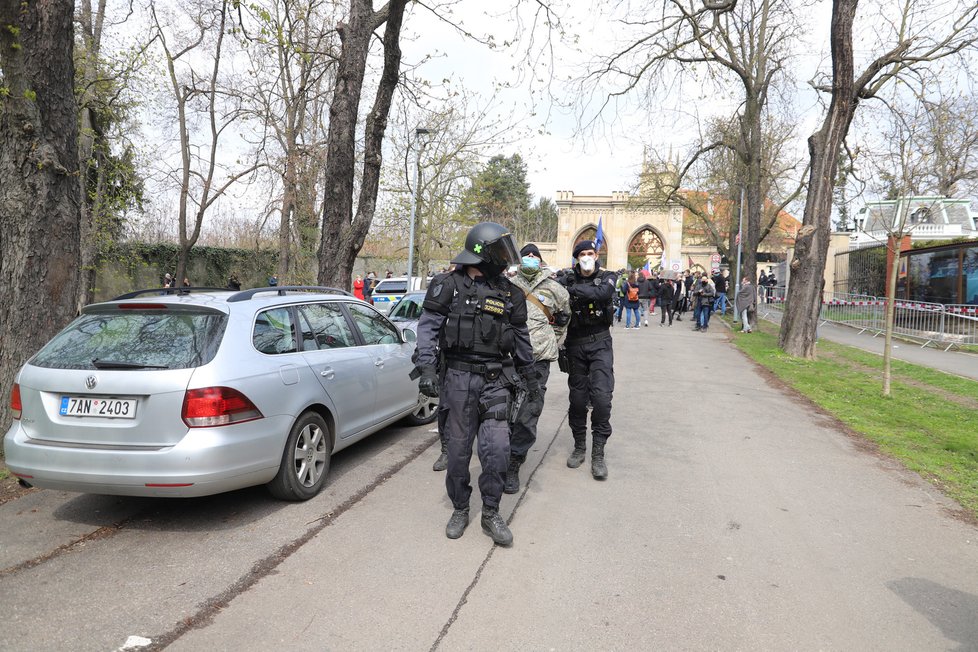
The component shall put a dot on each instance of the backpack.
(633, 293)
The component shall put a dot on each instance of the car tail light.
(15, 406)
(142, 306)
(217, 406)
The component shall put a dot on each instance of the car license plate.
(112, 408)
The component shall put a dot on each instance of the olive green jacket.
(544, 336)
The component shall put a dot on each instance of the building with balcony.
(923, 218)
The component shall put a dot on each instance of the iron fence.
(861, 270)
(938, 324)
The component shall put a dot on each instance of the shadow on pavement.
(951, 611)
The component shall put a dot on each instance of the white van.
(390, 290)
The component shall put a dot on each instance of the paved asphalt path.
(735, 518)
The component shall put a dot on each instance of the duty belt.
(491, 370)
(586, 339)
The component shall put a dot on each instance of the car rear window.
(134, 339)
(391, 287)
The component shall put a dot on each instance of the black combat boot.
(598, 468)
(442, 462)
(580, 452)
(457, 523)
(512, 485)
(494, 525)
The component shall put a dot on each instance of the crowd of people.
(638, 294)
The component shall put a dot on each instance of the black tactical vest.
(477, 321)
(587, 315)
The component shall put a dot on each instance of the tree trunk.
(894, 242)
(39, 197)
(343, 232)
(90, 140)
(804, 299)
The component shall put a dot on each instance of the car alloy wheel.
(305, 460)
(310, 456)
(425, 412)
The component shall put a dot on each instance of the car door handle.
(328, 373)
(378, 363)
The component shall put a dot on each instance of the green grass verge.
(928, 421)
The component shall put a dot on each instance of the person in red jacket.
(358, 287)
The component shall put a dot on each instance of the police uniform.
(590, 361)
(479, 326)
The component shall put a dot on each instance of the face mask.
(530, 263)
(490, 270)
(587, 263)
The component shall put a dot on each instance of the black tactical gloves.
(428, 385)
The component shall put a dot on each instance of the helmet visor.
(501, 251)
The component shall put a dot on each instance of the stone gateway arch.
(637, 230)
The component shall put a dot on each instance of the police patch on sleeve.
(436, 289)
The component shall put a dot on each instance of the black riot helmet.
(488, 243)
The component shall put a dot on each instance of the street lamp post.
(414, 204)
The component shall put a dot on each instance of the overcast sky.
(563, 158)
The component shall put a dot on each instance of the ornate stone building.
(637, 229)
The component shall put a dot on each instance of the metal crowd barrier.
(944, 325)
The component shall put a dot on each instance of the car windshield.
(135, 340)
(408, 308)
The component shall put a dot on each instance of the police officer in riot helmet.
(476, 319)
(589, 358)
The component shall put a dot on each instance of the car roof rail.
(167, 291)
(245, 295)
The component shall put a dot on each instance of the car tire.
(424, 413)
(305, 460)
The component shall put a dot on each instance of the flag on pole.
(599, 238)
(690, 261)
(647, 270)
(662, 263)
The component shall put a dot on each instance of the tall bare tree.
(201, 178)
(344, 225)
(921, 32)
(39, 197)
(708, 184)
(109, 181)
(293, 52)
(747, 45)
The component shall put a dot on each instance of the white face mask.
(587, 263)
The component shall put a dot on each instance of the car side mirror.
(409, 335)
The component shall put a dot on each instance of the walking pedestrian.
(646, 297)
(620, 279)
(590, 358)
(721, 283)
(548, 313)
(745, 302)
(631, 301)
(704, 295)
(476, 318)
(665, 298)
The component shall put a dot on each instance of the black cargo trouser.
(463, 394)
(524, 431)
(591, 380)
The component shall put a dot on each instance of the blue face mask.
(530, 262)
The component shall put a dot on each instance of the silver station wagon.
(190, 393)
